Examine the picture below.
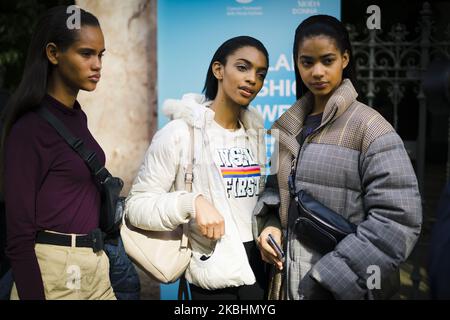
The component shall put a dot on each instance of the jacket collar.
(291, 122)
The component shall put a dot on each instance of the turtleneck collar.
(61, 107)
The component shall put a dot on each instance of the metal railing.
(391, 61)
(394, 62)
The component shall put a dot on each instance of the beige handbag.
(163, 255)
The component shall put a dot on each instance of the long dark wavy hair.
(327, 26)
(51, 27)
(226, 49)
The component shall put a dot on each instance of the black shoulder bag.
(316, 225)
(112, 205)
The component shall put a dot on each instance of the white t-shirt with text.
(240, 174)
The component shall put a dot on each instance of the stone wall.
(122, 110)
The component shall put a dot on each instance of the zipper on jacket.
(291, 185)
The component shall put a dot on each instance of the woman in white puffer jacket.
(228, 160)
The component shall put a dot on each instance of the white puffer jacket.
(157, 200)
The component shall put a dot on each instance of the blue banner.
(189, 32)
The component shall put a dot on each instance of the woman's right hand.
(268, 254)
(209, 220)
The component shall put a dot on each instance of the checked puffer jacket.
(356, 164)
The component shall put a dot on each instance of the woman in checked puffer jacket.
(347, 157)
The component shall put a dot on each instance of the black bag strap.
(183, 291)
(99, 172)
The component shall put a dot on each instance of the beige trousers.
(71, 273)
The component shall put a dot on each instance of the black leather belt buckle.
(97, 240)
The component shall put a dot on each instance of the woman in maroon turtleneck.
(47, 186)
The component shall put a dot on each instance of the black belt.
(92, 240)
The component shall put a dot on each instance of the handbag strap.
(183, 291)
(188, 180)
(99, 172)
(293, 172)
(189, 176)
